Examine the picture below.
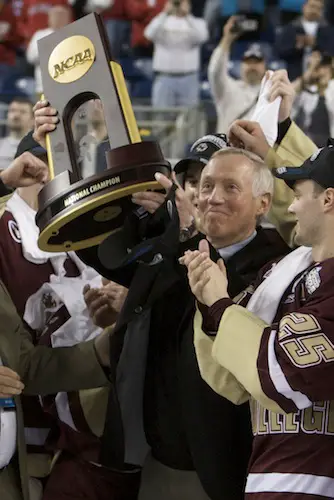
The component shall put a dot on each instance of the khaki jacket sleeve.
(233, 357)
(46, 370)
(294, 149)
(215, 375)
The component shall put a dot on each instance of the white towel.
(266, 298)
(266, 113)
(29, 231)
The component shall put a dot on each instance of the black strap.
(247, 110)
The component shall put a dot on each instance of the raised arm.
(221, 83)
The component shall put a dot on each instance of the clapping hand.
(207, 280)
(104, 303)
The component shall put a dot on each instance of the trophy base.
(81, 215)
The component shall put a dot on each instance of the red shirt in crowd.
(10, 38)
(116, 11)
(34, 16)
(141, 12)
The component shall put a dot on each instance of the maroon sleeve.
(212, 315)
(296, 358)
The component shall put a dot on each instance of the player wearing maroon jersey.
(276, 345)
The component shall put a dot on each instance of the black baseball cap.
(29, 144)
(254, 52)
(201, 151)
(318, 168)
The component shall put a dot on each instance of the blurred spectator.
(296, 41)
(212, 11)
(329, 13)
(9, 41)
(251, 15)
(35, 16)
(20, 120)
(118, 27)
(177, 37)
(235, 99)
(290, 9)
(58, 17)
(313, 109)
(141, 13)
(116, 22)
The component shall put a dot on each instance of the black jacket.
(286, 45)
(186, 423)
(189, 426)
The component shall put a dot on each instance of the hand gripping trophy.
(75, 212)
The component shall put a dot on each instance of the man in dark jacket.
(296, 40)
(187, 426)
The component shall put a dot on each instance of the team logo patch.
(201, 147)
(313, 280)
(14, 231)
(219, 141)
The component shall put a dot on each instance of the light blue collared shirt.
(227, 252)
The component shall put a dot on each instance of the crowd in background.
(181, 54)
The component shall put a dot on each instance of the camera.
(242, 25)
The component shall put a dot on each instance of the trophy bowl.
(84, 214)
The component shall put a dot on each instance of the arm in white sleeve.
(199, 30)
(153, 30)
(220, 81)
(32, 50)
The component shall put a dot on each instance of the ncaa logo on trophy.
(75, 212)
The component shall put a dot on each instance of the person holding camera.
(313, 107)
(296, 40)
(235, 99)
(177, 37)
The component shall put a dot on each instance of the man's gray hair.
(263, 182)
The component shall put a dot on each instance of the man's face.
(253, 70)
(308, 208)
(59, 16)
(324, 74)
(227, 208)
(20, 117)
(191, 182)
(313, 10)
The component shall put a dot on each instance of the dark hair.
(22, 100)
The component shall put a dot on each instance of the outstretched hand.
(207, 280)
(248, 135)
(151, 200)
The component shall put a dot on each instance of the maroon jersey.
(22, 279)
(293, 454)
